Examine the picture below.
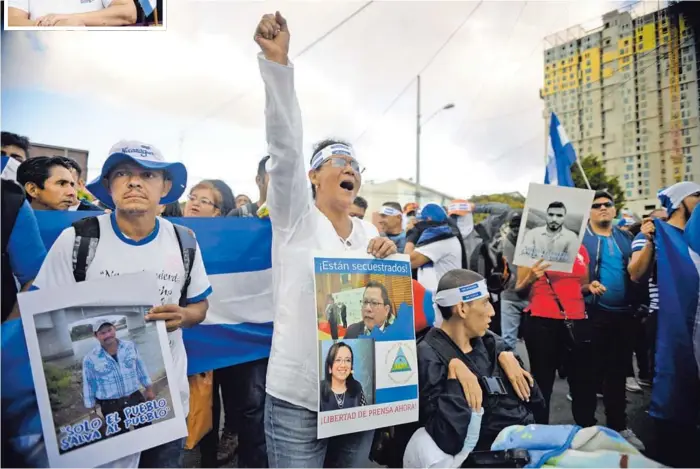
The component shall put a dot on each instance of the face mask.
(465, 224)
(9, 168)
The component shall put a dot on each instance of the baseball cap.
(433, 212)
(99, 322)
(147, 156)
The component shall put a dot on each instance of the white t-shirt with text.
(445, 254)
(39, 8)
(116, 254)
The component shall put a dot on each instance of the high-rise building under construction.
(627, 92)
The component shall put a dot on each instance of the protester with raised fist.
(302, 223)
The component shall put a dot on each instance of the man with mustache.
(552, 242)
(48, 182)
(376, 311)
(135, 181)
(113, 373)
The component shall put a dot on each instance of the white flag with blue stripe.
(237, 258)
(560, 155)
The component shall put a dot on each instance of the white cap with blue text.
(146, 156)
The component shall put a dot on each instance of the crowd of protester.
(587, 325)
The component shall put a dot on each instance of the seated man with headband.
(462, 362)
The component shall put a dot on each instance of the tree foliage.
(599, 180)
(514, 199)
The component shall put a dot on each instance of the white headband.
(389, 211)
(330, 150)
(455, 296)
(460, 207)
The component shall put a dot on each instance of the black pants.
(640, 347)
(650, 326)
(243, 396)
(110, 406)
(547, 341)
(333, 323)
(612, 346)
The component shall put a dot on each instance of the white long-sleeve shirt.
(298, 229)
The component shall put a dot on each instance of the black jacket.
(354, 396)
(355, 330)
(443, 409)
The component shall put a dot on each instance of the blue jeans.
(291, 440)
(511, 315)
(167, 455)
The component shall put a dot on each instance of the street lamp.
(419, 125)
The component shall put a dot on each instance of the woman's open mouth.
(348, 185)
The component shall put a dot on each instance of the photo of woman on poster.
(339, 389)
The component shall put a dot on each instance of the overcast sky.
(195, 91)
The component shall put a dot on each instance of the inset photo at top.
(75, 14)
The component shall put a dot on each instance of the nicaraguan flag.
(148, 6)
(692, 237)
(238, 260)
(677, 381)
(560, 155)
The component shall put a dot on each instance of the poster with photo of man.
(102, 373)
(368, 375)
(552, 226)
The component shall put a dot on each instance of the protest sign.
(103, 375)
(368, 370)
(552, 226)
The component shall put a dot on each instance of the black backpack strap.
(12, 199)
(87, 236)
(188, 249)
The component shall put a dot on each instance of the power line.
(315, 42)
(408, 85)
(510, 38)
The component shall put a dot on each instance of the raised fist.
(272, 35)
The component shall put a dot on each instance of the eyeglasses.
(372, 303)
(602, 204)
(202, 200)
(340, 162)
(343, 361)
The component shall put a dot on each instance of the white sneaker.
(632, 439)
(632, 385)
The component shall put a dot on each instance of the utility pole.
(418, 126)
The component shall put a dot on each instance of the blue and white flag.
(692, 237)
(237, 258)
(148, 6)
(677, 380)
(560, 155)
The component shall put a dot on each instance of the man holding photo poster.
(303, 223)
(135, 180)
(113, 373)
